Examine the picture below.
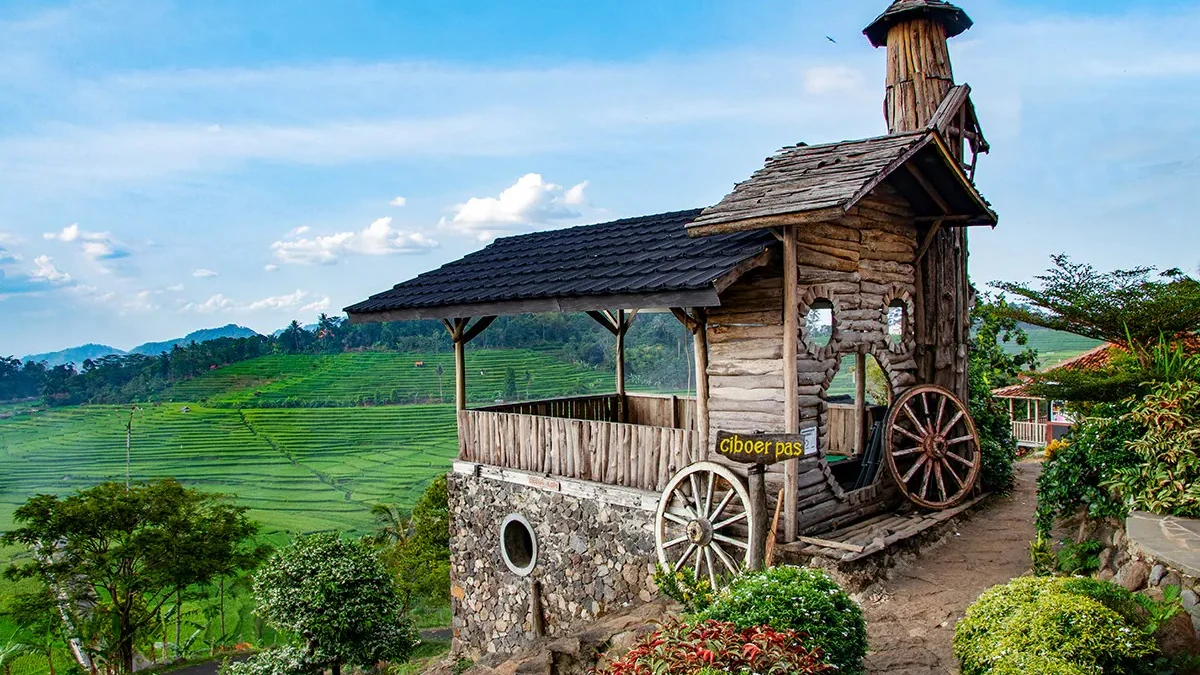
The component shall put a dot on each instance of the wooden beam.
(760, 222)
(929, 188)
(457, 329)
(791, 346)
(622, 327)
(474, 331)
(860, 404)
(925, 243)
(706, 297)
(700, 349)
(605, 320)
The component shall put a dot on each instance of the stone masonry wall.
(593, 557)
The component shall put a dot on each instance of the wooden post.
(461, 335)
(791, 346)
(860, 404)
(537, 616)
(700, 346)
(621, 328)
(758, 505)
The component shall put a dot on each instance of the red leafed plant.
(718, 647)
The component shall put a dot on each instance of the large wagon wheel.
(932, 447)
(705, 522)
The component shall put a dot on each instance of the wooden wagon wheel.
(705, 522)
(932, 447)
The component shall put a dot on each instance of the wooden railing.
(629, 455)
(673, 412)
(1030, 433)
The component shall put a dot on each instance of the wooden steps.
(874, 535)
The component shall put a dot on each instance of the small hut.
(562, 508)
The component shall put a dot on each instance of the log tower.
(919, 76)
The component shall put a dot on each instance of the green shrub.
(1092, 625)
(1079, 558)
(1072, 478)
(713, 647)
(799, 599)
(1028, 664)
(1166, 477)
(682, 586)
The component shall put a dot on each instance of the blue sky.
(171, 166)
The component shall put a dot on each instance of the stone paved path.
(911, 616)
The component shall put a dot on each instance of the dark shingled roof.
(623, 263)
(954, 19)
(822, 182)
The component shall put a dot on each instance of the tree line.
(657, 354)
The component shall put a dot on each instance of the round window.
(518, 544)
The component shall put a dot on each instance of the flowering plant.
(718, 647)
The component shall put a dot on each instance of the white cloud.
(821, 80)
(202, 273)
(7, 258)
(9, 239)
(143, 301)
(398, 201)
(300, 300)
(45, 270)
(378, 238)
(174, 288)
(529, 203)
(270, 267)
(95, 245)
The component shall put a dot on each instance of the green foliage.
(682, 586)
(461, 665)
(1060, 621)
(420, 557)
(275, 661)
(1025, 663)
(712, 647)
(1165, 477)
(1128, 307)
(127, 551)
(1080, 557)
(1072, 479)
(1160, 612)
(800, 599)
(38, 619)
(1042, 560)
(990, 366)
(337, 597)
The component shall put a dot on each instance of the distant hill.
(1054, 346)
(78, 355)
(74, 354)
(203, 335)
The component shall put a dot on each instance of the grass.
(367, 378)
(1054, 347)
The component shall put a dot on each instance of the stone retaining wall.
(593, 557)
(1133, 564)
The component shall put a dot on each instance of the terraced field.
(298, 470)
(366, 378)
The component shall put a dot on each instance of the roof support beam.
(933, 230)
(462, 333)
(618, 324)
(791, 406)
(696, 321)
(929, 189)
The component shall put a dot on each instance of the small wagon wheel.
(932, 447)
(705, 522)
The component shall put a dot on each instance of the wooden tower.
(919, 77)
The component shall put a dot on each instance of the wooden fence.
(673, 412)
(628, 455)
(1030, 433)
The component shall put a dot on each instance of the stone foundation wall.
(593, 557)
(1130, 564)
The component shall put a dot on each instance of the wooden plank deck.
(875, 535)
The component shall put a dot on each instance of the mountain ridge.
(77, 355)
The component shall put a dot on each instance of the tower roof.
(954, 19)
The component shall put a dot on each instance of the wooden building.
(871, 233)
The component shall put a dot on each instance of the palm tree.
(12, 650)
(392, 526)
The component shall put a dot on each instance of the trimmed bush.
(1027, 664)
(802, 600)
(1090, 625)
(712, 647)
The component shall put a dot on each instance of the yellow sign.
(767, 448)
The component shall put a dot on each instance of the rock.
(1172, 579)
(1156, 575)
(1106, 574)
(1189, 599)
(1133, 576)
(1106, 557)
(1178, 637)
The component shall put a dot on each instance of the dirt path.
(910, 619)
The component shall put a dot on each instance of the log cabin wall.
(861, 264)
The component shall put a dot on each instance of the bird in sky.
(831, 39)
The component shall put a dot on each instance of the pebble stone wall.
(593, 558)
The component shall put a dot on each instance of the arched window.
(897, 321)
(819, 322)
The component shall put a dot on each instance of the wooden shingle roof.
(953, 18)
(646, 262)
(814, 183)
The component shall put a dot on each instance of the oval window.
(518, 545)
(819, 322)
